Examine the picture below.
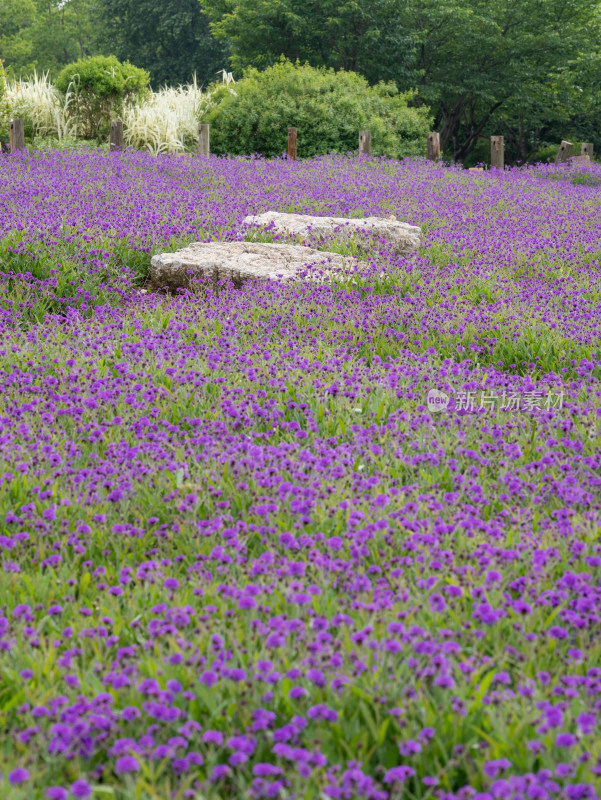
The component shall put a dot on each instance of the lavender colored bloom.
(409, 747)
(81, 789)
(258, 470)
(492, 768)
(213, 737)
(566, 740)
(437, 602)
(127, 764)
(220, 772)
(586, 722)
(501, 789)
(581, 791)
(266, 770)
(56, 793)
(316, 676)
(399, 774)
(18, 775)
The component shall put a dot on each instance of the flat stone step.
(242, 261)
(405, 239)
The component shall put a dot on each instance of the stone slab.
(405, 239)
(242, 261)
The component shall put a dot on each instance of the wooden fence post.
(565, 152)
(292, 134)
(586, 150)
(434, 147)
(116, 137)
(204, 134)
(364, 143)
(17, 135)
(497, 152)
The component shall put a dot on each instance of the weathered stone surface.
(242, 261)
(405, 239)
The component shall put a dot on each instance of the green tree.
(328, 108)
(538, 114)
(484, 61)
(171, 39)
(100, 87)
(44, 34)
(578, 100)
(364, 36)
(62, 33)
(16, 46)
(478, 64)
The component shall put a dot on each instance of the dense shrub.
(4, 107)
(328, 108)
(548, 152)
(100, 87)
(67, 144)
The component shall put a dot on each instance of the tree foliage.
(363, 36)
(476, 63)
(328, 107)
(485, 61)
(171, 39)
(527, 69)
(44, 34)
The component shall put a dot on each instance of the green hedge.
(328, 108)
(4, 107)
(100, 86)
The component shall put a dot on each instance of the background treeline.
(527, 69)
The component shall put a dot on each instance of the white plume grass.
(166, 121)
(41, 105)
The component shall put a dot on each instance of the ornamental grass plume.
(167, 121)
(44, 109)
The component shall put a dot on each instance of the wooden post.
(204, 134)
(364, 143)
(586, 150)
(116, 140)
(292, 132)
(17, 135)
(433, 147)
(497, 152)
(565, 152)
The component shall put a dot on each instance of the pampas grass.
(44, 109)
(165, 122)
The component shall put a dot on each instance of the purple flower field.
(242, 555)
